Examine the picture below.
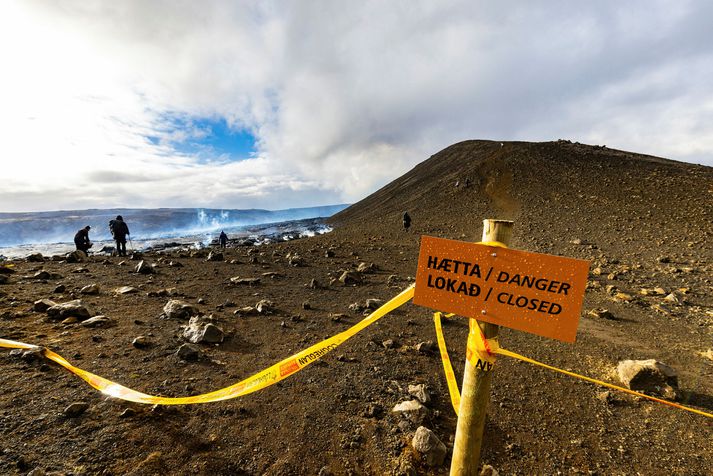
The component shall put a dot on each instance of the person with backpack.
(223, 239)
(119, 229)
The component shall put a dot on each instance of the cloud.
(340, 97)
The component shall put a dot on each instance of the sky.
(279, 104)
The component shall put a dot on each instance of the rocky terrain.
(645, 223)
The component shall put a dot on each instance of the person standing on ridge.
(223, 239)
(119, 229)
(407, 221)
(81, 239)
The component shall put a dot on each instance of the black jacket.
(119, 229)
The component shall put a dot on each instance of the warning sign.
(532, 292)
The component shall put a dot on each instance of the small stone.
(42, 305)
(90, 289)
(75, 308)
(425, 347)
(60, 288)
(128, 412)
(306, 305)
(41, 275)
(388, 343)
(427, 444)
(177, 309)
(374, 303)
(329, 254)
(295, 260)
(215, 256)
(601, 313)
(576, 241)
(76, 409)
(672, 298)
(412, 410)
(264, 306)
(419, 391)
(140, 342)
(144, 267)
(76, 256)
(201, 330)
(649, 376)
(126, 290)
(313, 284)
(660, 291)
(350, 278)
(97, 321)
(35, 258)
(188, 352)
(623, 297)
(245, 281)
(373, 410)
(366, 267)
(200, 301)
(489, 471)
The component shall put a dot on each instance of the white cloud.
(341, 96)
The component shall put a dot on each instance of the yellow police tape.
(486, 349)
(260, 380)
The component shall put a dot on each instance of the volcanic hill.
(645, 223)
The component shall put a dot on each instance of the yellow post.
(475, 393)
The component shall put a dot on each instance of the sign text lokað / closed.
(532, 292)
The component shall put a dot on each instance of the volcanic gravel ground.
(644, 223)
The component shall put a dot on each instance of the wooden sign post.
(475, 393)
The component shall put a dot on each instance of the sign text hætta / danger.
(533, 292)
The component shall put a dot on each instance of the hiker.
(223, 239)
(119, 229)
(81, 239)
(407, 221)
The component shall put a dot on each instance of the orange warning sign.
(532, 292)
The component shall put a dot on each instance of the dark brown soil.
(644, 222)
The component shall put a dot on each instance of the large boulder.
(177, 309)
(427, 444)
(75, 308)
(42, 305)
(200, 329)
(649, 376)
(35, 258)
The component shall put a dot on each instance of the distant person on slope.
(119, 229)
(407, 221)
(81, 239)
(223, 239)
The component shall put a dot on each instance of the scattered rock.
(144, 267)
(388, 344)
(140, 342)
(601, 313)
(188, 352)
(412, 410)
(366, 267)
(76, 256)
(373, 410)
(201, 329)
(42, 274)
(35, 258)
(60, 288)
(329, 254)
(76, 409)
(176, 309)
(419, 391)
(374, 303)
(649, 376)
(306, 305)
(350, 278)
(215, 256)
(98, 321)
(74, 308)
(175, 264)
(429, 446)
(247, 281)
(489, 471)
(264, 306)
(125, 290)
(295, 260)
(313, 284)
(4, 279)
(90, 289)
(425, 347)
(42, 305)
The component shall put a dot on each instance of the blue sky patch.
(206, 138)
